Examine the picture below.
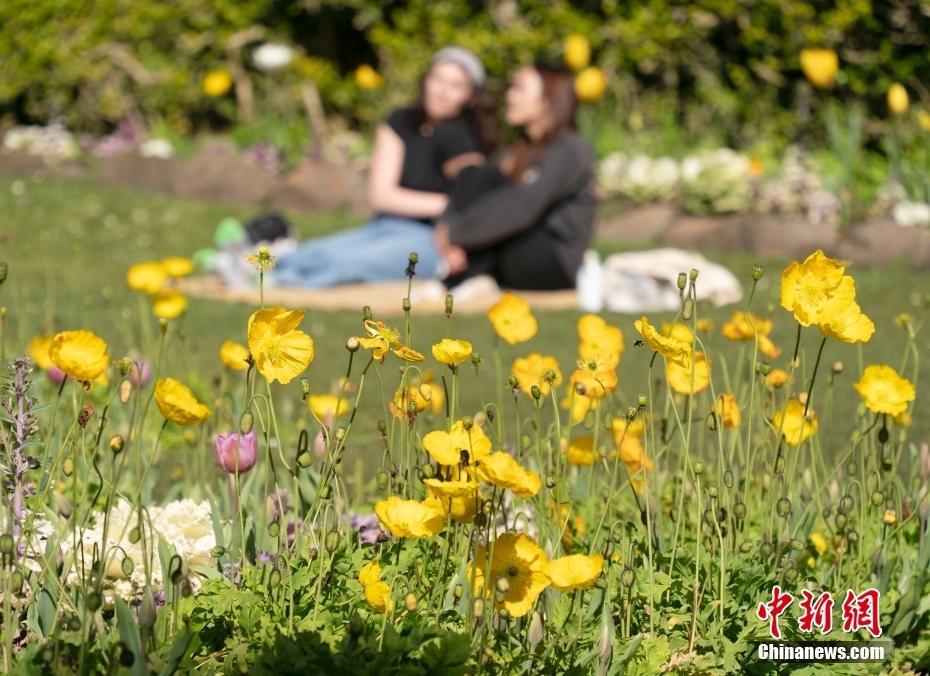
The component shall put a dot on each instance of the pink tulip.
(233, 448)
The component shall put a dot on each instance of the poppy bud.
(757, 271)
(218, 551)
(117, 444)
(305, 459)
(642, 401)
(245, 422)
(123, 366)
(698, 468)
(356, 625)
(450, 302)
(6, 544)
(840, 520)
(147, 609)
(332, 541)
(475, 358)
(410, 602)
(457, 592)
(366, 313)
(580, 388)
(125, 391)
(405, 304)
(693, 275)
(535, 392)
(687, 309)
(352, 344)
(477, 608)
(467, 423)
(628, 577)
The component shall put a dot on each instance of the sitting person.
(534, 219)
(418, 151)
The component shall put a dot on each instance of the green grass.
(68, 245)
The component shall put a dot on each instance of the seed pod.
(449, 304)
(693, 275)
(366, 313)
(382, 480)
(682, 281)
(757, 272)
(783, 507)
(852, 536)
(246, 421)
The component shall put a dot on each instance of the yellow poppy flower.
(458, 508)
(581, 452)
(705, 325)
(679, 377)
(38, 350)
(577, 571)
(234, 355)
(572, 524)
(177, 266)
(177, 403)
(455, 488)
(576, 51)
(897, 99)
(451, 352)
(281, 352)
(884, 391)
(512, 319)
(903, 419)
(819, 542)
(727, 410)
(795, 428)
(633, 455)
(80, 354)
(367, 77)
(410, 518)
(670, 348)
(740, 327)
(147, 277)
(517, 559)
(324, 406)
(596, 377)
(590, 84)
(383, 338)
(923, 120)
(776, 378)
(678, 331)
(579, 404)
(216, 83)
(169, 304)
(425, 394)
(446, 447)
(815, 289)
(531, 370)
(597, 338)
(502, 470)
(377, 592)
(819, 66)
(847, 324)
(622, 429)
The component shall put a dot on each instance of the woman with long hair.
(418, 151)
(530, 230)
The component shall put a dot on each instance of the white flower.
(272, 56)
(908, 214)
(157, 147)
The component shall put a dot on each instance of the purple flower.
(266, 558)
(140, 372)
(234, 449)
(368, 527)
(56, 375)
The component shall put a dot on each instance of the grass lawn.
(68, 245)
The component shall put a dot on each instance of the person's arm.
(510, 209)
(384, 190)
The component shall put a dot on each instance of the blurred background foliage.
(726, 72)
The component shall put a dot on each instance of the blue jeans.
(374, 252)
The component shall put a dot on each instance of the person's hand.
(455, 258)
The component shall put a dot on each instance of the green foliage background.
(723, 66)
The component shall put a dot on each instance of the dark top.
(555, 195)
(427, 147)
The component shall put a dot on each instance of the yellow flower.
(177, 403)
(727, 410)
(410, 518)
(216, 83)
(455, 488)
(262, 260)
(580, 404)
(571, 523)
(596, 377)
(678, 331)
(382, 338)
(367, 77)
(816, 289)
(169, 304)
(581, 452)
(897, 99)
(425, 394)
(671, 348)
(234, 355)
(884, 391)
(38, 350)
(177, 266)
(597, 338)
(377, 592)
(324, 406)
(679, 377)
(633, 455)
(819, 542)
(446, 447)
(848, 324)
(705, 325)
(590, 84)
(80, 354)
(281, 352)
(776, 378)
(819, 66)
(458, 508)
(923, 120)
(890, 518)
(621, 428)
(451, 352)
(502, 470)
(903, 419)
(577, 571)
(147, 277)
(794, 427)
(577, 51)
(531, 370)
(512, 319)
(517, 559)
(740, 327)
